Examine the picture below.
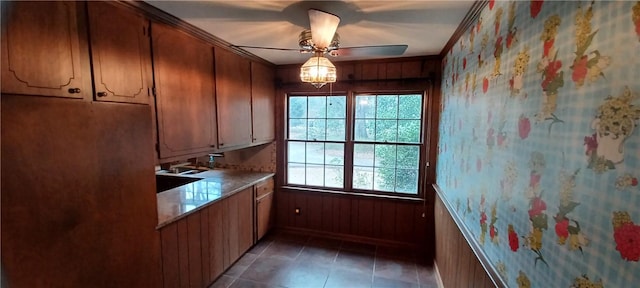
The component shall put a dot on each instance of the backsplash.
(539, 149)
(259, 158)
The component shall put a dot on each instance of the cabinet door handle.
(221, 144)
(74, 90)
(254, 139)
(102, 94)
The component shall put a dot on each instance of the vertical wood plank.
(365, 217)
(170, 264)
(195, 250)
(204, 242)
(353, 216)
(183, 252)
(404, 222)
(346, 71)
(216, 240)
(377, 219)
(411, 69)
(245, 220)
(300, 201)
(336, 214)
(388, 220)
(370, 71)
(282, 207)
(327, 220)
(314, 211)
(231, 233)
(345, 215)
(394, 70)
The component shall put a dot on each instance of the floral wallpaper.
(539, 149)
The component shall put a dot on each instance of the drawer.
(263, 188)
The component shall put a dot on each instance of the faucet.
(212, 159)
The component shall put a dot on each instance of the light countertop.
(179, 202)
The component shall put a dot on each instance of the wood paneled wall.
(457, 264)
(359, 218)
(383, 72)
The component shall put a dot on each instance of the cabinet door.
(262, 102)
(263, 210)
(238, 211)
(245, 219)
(44, 49)
(216, 240)
(120, 49)
(233, 94)
(183, 69)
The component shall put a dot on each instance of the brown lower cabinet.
(264, 204)
(198, 248)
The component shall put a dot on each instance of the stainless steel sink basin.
(166, 182)
(183, 170)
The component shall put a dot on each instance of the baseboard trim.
(354, 238)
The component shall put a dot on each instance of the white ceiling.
(425, 26)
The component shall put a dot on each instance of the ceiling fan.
(322, 38)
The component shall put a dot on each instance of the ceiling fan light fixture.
(318, 71)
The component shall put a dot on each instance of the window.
(381, 154)
(316, 141)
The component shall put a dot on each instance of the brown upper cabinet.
(185, 87)
(262, 102)
(120, 50)
(233, 94)
(44, 49)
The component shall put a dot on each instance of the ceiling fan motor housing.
(305, 41)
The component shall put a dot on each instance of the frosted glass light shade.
(318, 71)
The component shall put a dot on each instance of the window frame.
(350, 142)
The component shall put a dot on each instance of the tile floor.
(292, 260)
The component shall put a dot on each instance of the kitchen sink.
(166, 182)
(185, 170)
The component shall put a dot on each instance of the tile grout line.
(375, 260)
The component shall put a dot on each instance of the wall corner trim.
(473, 243)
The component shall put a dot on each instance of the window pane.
(410, 106)
(298, 129)
(407, 181)
(387, 107)
(296, 173)
(409, 131)
(317, 107)
(386, 156)
(296, 152)
(365, 106)
(363, 154)
(364, 130)
(384, 179)
(297, 107)
(363, 178)
(336, 106)
(334, 154)
(408, 157)
(335, 130)
(317, 129)
(334, 176)
(315, 153)
(386, 130)
(315, 175)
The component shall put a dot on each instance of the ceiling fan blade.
(323, 27)
(265, 48)
(383, 50)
